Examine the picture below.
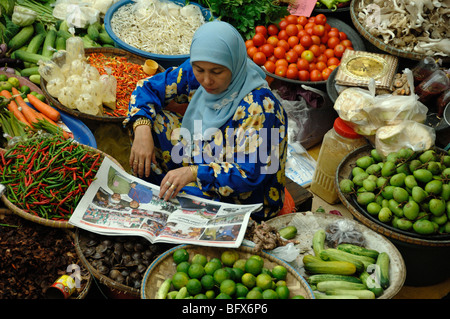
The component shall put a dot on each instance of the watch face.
(366, 67)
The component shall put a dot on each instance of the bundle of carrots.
(42, 116)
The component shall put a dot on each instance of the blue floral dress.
(241, 163)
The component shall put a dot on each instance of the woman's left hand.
(174, 181)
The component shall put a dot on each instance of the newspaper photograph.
(118, 203)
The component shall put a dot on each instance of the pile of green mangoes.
(407, 190)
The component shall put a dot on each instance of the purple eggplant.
(10, 62)
(3, 49)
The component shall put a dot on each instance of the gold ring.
(172, 186)
(168, 183)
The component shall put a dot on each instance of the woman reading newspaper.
(229, 144)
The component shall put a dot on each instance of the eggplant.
(3, 49)
(11, 63)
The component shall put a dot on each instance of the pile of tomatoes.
(299, 48)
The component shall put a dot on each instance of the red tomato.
(283, 24)
(321, 66)
(302, 20)
(261, 29)
(309, 25)
(332, 42)
(310, 31)
(267, 49)
(320, 19)
(327, 27)
(302, 33)
(282, 62)
(322, 58)
(292, 19)
(339, 50)
(342, 35)
(251, 51)
(326, 73)
(302, 64)
(292, 73)
(333, 33)
(291, 56)
(324, 39)
(347, 43)
(315, 49)
(333, 61)
(312, 19)
(306, 41)
(272, 29)
(284, 44)
(293, 41)
(293, 65)
(329, 53)
(319, 30)
(269, 66)
(316, 75)
(259, 58)
(249, 43)
(279, 52)
(282, 35)
(273, 58)
(312, 66)
(273, 40)
(303, 75)
(308, 55)
(315, 39)
(258, 39)
(322, 47)
(292, 29)
(299, 49)
(281, 71)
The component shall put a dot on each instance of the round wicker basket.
(41, 220)
(164, 267)
(308, 223)
(103, 118)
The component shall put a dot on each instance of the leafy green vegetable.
(245, 15)
(7, 6)
(11, 29)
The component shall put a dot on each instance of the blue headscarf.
(219, 42)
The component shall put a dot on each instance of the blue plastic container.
(165, 61)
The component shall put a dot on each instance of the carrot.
(14, 109)
(44, 108)
(27, 111)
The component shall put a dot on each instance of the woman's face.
(214, 78)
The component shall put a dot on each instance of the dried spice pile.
(32, 257)
(126, 73)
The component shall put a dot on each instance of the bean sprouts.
(157, 26)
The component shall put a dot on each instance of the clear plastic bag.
(343, 231)
(75, 49)
(288, 252)
(49, 70)
(109, 89)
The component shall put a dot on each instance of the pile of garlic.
(77, 84)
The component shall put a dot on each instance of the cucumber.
(39, 28)
(104, 38)
(64, 34)
(371, 284)
(92, 32)
(357, 250)
(315, 279)
(311, 258)
(163, 289)
(330, 267)
(319, 295)
(288, 232)
(49, 43)
(333, 254)
(35, 43)
(360, 294)
(35, 78)
(60, 43)
(64, 26)
(29, 71)
(325, 286)
(29, 57)
(383, 262)
(318, 242)
(21, 38)
(182, 293)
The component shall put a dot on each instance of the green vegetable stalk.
(332, 4)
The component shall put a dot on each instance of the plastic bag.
(75, 49)
(77, 13)
(109, 89)
(289, 252)
(343, 231)
(407, 134)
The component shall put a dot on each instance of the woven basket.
(308, 223)
(378, 42)
(344, 171)
(103, 118)
(41, 220)
(164, 267)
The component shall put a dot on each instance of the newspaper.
(117, 203)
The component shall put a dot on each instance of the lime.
(207, 282)
(264, 281)
(269, 294)
(223, 296)
(241, 290)
(14, 81)
(266, 271)
(282, 292)
(210, 294)
(216, 260)
(179, 280)
(249, 280)
(5, 85)
(200, 296)
(281, 283)
(228, 287)
(196, 271)
(194, 286)
(199, 259)
(229, 257)
(25, 89)
(298, 297)
(240, 263)
(183, 266)
(279, 272)
(3, 77)
(236, 274)
(180, 255)
(253, 266)
(220, 275)
(211, 267)
(254, 294)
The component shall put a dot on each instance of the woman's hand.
(142, 151)
(174, 181)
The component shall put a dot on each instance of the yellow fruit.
(14, 81)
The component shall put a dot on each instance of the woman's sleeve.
(152, 94)
(256, 157)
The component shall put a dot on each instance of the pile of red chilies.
(48, 176)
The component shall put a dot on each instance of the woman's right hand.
(142, 151)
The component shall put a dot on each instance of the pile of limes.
(227, 277)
